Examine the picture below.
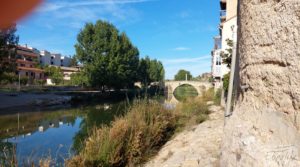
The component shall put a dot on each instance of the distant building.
(54, 59)
(218, 68)
(65, 61)
(27, 62)
(68, 71)
(45, 57)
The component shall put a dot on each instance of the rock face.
(264, 127)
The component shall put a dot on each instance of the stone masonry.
(264, 128)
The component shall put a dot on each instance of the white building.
(56, 59)
(65, 61)
(218, 68)
(46, 58)
(228, 23)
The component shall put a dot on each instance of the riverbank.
(16, 100)
(132, 139)
(198, 146)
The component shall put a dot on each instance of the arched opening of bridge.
(185, 91)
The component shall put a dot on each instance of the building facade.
(27, 63)
(54, 59)
(228, 24)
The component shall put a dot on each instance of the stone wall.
(264, 127)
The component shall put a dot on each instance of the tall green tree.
(150, 71)
(8, 43)
(182, 74)
(109, 57)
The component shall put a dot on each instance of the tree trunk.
(264, 127)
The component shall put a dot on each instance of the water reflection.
(53, 133)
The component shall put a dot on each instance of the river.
(55, 132)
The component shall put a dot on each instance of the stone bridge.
(170, 86)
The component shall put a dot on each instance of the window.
(22, 65)
(26, 73)
(52, 63)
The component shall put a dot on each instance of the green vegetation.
(8, 42)
(55, 74)
(182, 74)
(226, 56)
(144, 129)
(79, 79)
(226, 82)
(131, 139)
(217, 97)
(110, 59)
(150, 71)
(74, 61)
(182, 92)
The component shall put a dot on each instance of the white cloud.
(181, 49)
(57, 5)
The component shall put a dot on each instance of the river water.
(56, 133)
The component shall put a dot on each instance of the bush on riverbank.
(142, 131)
(147, 126)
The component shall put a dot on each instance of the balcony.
(26, 54)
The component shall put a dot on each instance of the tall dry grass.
(132, 138)
(142, 131)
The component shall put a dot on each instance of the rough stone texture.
(264, 127)
(197, 147)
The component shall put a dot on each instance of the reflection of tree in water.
(7, 154)
(184, 91)
(95, 117)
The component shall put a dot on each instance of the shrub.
(145, 128)
(217, 97)
(130, 139)
(24, 80)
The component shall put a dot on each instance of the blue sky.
(177, 32)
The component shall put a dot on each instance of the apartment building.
(54, 59)
(227, 28)
(27, 62)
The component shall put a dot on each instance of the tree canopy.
(182, 74)
(8, 42)
(109, 57)
(150, 71)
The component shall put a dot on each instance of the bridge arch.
(199, 86)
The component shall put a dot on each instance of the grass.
(131, 139)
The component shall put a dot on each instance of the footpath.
(197, 147)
